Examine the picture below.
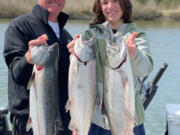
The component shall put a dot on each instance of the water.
(164, 39)
(3, 69)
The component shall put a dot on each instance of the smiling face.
(112, 11)
(54, 7)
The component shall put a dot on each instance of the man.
(44, 25)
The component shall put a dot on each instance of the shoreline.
(175, 17)
(150, 11)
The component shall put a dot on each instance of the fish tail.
(29, 124)
(68, 105)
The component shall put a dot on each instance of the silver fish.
(82, 86)
(44, 117)
(119, 96)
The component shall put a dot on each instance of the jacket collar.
(42, 14)
(120, 31)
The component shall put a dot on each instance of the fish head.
(41, 55)
(116, 52)
(84, 49)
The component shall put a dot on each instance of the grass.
(79, 9)
(172, 14)
(12, 8)
(82, 9)
(146, 12)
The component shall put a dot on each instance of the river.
(164, 39)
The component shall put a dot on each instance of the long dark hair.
(99, 18)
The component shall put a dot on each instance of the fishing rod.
(147, 92)
(150, 89)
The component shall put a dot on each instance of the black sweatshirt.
(20, 31)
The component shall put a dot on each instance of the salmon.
(44, 117)
(118, 88)
(119, 94)
(82, 86)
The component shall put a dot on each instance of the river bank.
(82, 10)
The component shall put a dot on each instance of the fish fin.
(68, 104)
(31, 80)
(29, 124)
(71, 126)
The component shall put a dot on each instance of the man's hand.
(132, 49)
(71, 44)
(36, 42)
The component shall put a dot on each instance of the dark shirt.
(114, 31)
(20, 31)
